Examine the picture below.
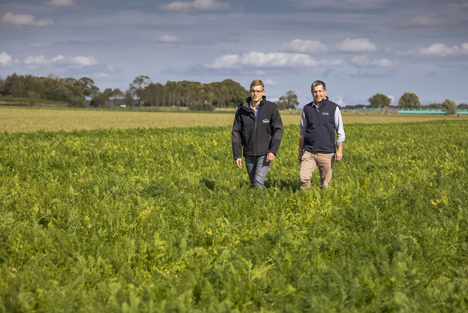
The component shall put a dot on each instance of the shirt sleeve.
(339, 126)
(303, 123)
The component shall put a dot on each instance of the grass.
(161, 220)
(33, 119)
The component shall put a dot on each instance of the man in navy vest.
(317, 144)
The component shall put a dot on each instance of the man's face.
(256, 92)
(319, 93)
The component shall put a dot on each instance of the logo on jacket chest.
(325, 113)
(266, 121)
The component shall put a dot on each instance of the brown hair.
(257, 82)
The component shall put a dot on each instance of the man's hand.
(338, 156)
(270, 157)
(239, 163)
(339, 152)
(300, 155)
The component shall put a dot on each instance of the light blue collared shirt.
(256, 109)
(340, 134)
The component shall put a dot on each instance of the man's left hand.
(338, 156)
(270, 157)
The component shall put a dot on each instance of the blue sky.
(358, 47)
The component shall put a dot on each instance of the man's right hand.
(300, 156)
(239, 163)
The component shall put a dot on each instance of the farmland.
(161, 220)
(34, 119)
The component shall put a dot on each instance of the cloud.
(356, 45)
(339, 100)
(84, 61)
(363, 61)
(305, 46)
(100, 74)
(430, 21)
(78, 61)
(268, 60)
(5, 59)
(269, 82)
(60, 3)
(25, 20)
(36, 60)
(197, 5)
(166, 38)
(441, 50)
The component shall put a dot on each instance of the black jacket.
(258, 136)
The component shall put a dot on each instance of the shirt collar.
(250, 105)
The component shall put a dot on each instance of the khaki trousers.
(310, 160)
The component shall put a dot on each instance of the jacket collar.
(324, 102)
(246, 104)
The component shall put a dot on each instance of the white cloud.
(363, 61)
(339, 100)
(166, 38)
(357, 45)
(60, 59)
(197, 5)
(268, 60)
(60, 3)
(36, 60)
(441, 50)
(305, 46)
(84, 61)
(25, 20)
(269, 82)
(5, 59)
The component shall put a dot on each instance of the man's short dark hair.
(318, 83)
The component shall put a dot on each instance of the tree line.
(411, 100)
(141, 92)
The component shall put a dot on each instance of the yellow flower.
(53, 152)
(433, 203)
(143, 213)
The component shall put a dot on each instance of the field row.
(30, 119)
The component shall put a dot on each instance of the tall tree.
(379, 101)
(117, 95)
(137, 87)
(409, 100)
(449, 106)
(2, 86)
(288, 101)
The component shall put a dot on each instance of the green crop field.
(14, 119)
(161, 220)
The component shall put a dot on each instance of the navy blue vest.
(320, 127)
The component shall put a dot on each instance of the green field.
(13, 119)
(161, 220)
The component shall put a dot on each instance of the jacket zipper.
(255, 131)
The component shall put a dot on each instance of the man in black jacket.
(257, 129)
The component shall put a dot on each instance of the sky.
(357, 47)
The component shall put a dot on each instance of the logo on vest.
(265, 121)
(325, 113)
